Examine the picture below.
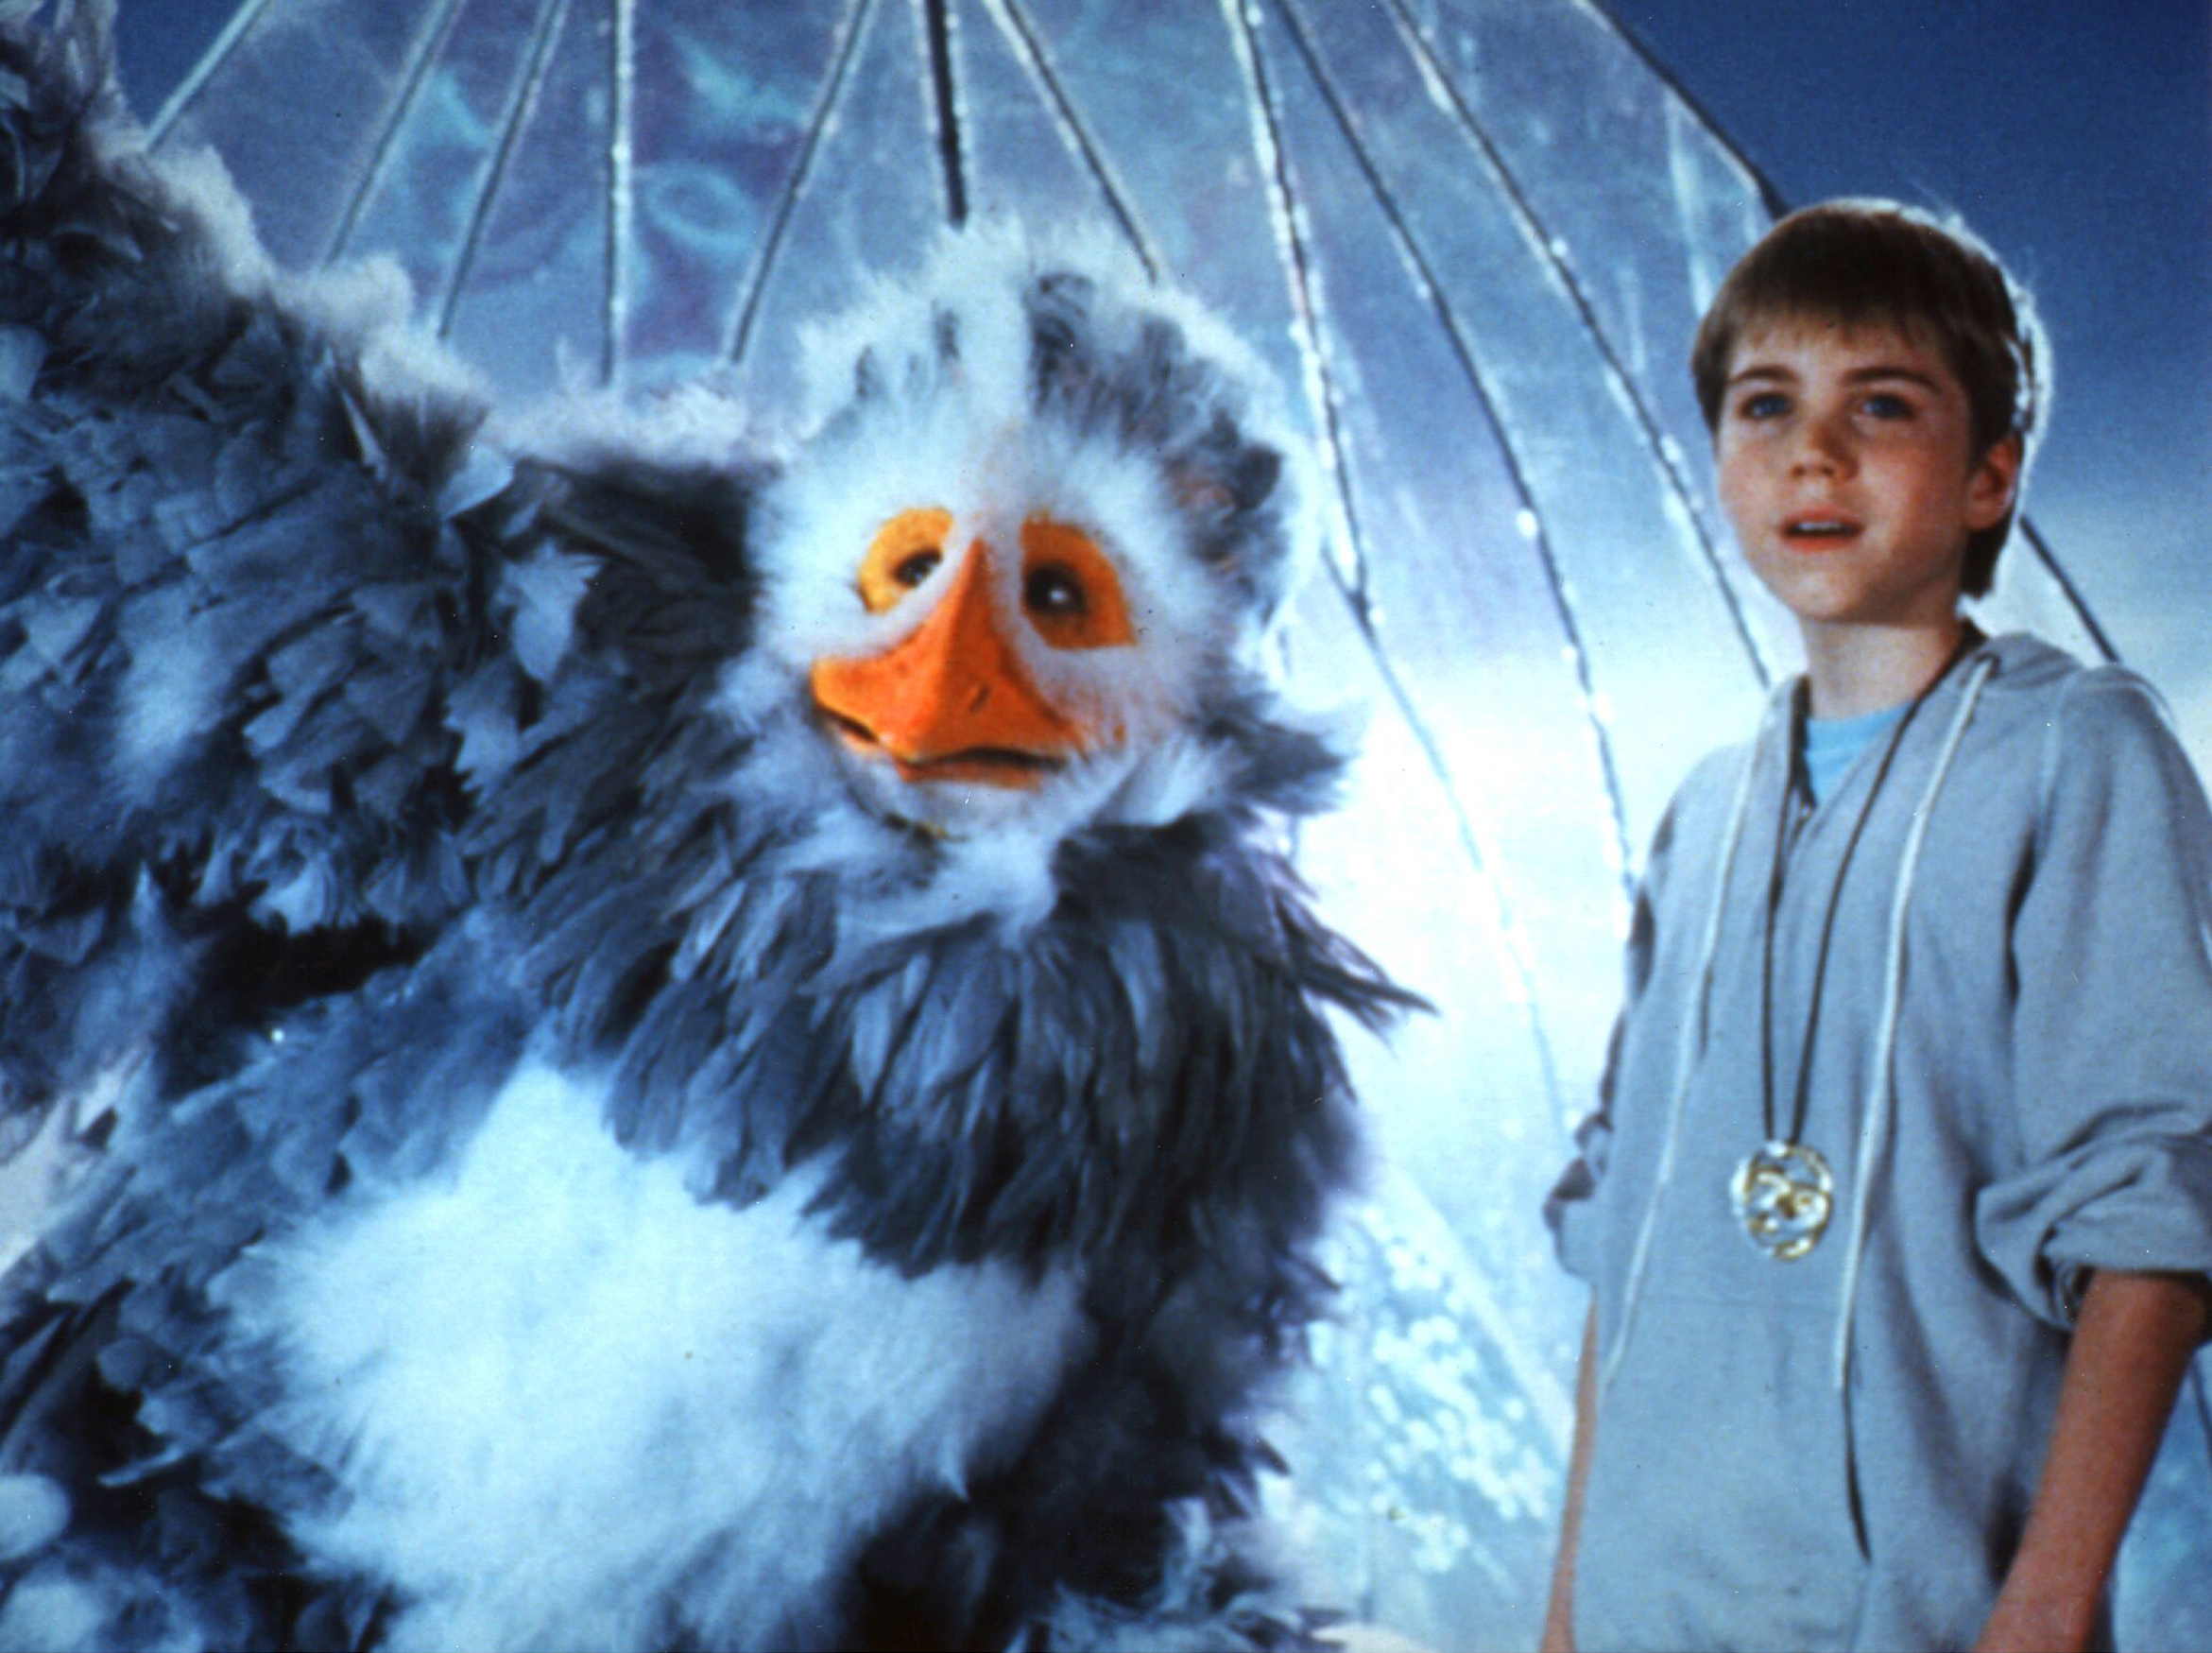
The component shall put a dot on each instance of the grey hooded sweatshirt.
(2012, 1083)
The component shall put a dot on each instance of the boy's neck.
(1854, 669)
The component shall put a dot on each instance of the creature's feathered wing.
(1474, 232)
(360, 750)
(272, 628)
(230, 577)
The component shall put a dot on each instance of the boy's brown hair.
(1856, 262)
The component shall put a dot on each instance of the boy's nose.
(1820, 449)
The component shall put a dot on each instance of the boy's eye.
(1882, 404)
(1763, 404)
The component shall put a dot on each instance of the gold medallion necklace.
(1783, 1191)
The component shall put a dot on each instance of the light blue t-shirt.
(1831, 743)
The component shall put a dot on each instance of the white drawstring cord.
(1874, 1130)
(1694, 1036)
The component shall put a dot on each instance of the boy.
(1897, 1206)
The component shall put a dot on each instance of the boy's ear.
(1995, 481)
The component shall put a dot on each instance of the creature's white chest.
(558, 1390)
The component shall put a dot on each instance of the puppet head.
(1029, 554)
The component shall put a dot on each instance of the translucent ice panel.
(535, 266)
(723, 109)
(417, 201)
(344, 64)
(870, 200)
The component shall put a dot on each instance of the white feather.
(544, 594)
(557, 1387)
(52, 1610)
(960, 430)
(992, 852)
(169, 695)
(33, 1512)
(993, 464)
(363, 305)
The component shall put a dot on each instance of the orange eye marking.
(1070, 591)
(905, 551)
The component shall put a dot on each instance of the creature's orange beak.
(950, 702)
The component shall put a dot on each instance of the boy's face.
(1847, 466)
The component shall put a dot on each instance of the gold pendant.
(1783, 1195)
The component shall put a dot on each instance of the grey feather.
(367, 758)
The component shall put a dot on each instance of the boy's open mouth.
(1820, 530)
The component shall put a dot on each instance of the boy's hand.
(2132, 1349)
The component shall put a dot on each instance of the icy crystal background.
(1473, 236)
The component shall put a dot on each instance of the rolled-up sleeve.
(2112, 1059)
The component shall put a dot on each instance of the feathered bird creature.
(685, 1053)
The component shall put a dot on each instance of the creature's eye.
(1070, 589)
(1049, 590)
(905, 552)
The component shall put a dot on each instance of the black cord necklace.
(1783, 1191)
